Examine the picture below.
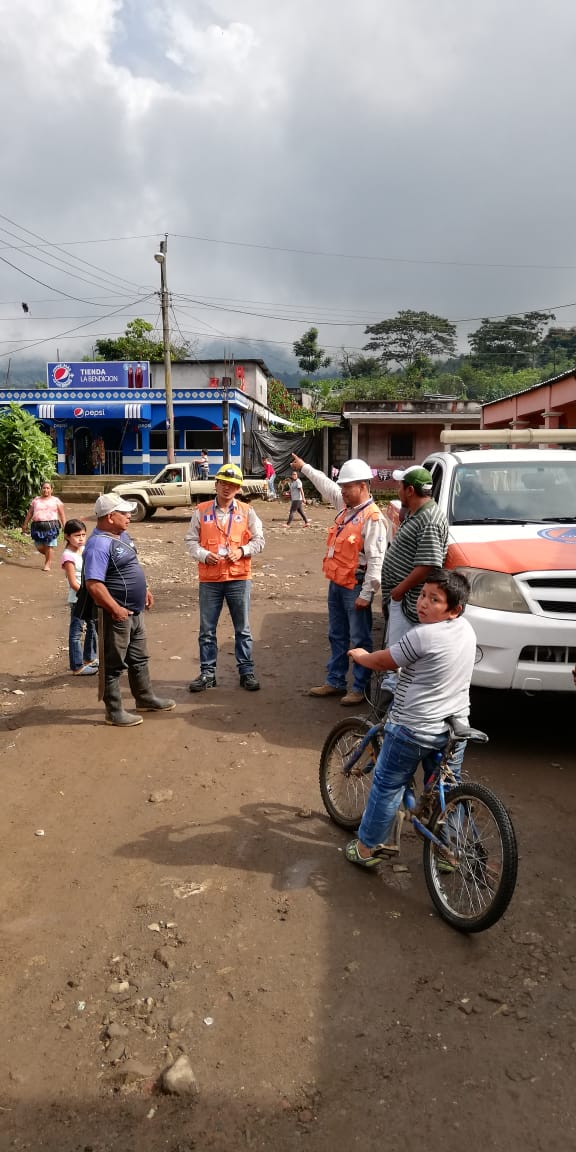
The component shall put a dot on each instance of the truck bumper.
(523, 651)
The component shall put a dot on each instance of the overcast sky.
(437, 135)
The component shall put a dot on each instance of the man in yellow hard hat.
(224, 534)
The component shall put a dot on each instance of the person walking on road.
(117, 584)
(297, 500)
(46, 517)
(270, 474)
(420, 544)
(223, 536)
(353, 564)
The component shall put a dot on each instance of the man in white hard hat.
(353, 564)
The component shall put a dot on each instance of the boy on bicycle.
(436, 660)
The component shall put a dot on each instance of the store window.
(401, 446)
(197, 438)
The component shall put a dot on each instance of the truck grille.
(550, 595)
(548, 654)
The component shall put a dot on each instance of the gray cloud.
(425, 132)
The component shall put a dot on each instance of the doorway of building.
(83, 452)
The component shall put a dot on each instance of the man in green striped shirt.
(420, 544)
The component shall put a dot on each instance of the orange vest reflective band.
(230, 534)
(345, 544)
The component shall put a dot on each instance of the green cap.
(418, 478)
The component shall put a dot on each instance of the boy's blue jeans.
(78, 653)
(348, 627)
(397, 762)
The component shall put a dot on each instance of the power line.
(371, 258)
(60, 291)
(61, 335)
(68, 269)
(79, 260)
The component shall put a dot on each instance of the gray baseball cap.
(112, 502)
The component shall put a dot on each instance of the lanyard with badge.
(224, 549)
(340, 527)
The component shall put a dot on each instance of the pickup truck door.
(438, 470)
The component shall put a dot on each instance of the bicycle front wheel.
(345, 791)
(472, 880)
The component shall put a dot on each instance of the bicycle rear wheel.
(345, 792)
(472, 883)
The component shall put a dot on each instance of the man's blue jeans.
(399, 757)
(348, 627)
(212, 595)
(78, 653)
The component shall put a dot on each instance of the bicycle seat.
(460, 731)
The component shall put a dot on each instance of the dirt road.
(320, 1008)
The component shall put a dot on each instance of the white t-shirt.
(76, 558)
(436, 662)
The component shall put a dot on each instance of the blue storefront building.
(110, 419)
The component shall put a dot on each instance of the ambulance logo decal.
(559, 534)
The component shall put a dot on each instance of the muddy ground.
(320, 1007)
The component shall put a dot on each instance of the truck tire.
(141, 511)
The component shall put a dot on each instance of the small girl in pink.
(46, 517)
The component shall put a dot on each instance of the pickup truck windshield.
(508, 492)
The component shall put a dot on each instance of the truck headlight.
(496, 590)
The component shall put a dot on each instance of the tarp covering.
(279, 447)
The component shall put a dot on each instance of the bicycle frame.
(435, 787)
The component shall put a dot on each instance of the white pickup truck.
(512, 521)
(177, 486)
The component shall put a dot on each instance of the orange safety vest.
(233, 533)
(345, 544)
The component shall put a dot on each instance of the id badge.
(222, 550)
(330, 553)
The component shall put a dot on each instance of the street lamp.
(160, 257)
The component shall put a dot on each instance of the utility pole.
(225, 415)
(160, 257)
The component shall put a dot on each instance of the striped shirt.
(421, 539)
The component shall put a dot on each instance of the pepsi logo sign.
(78, 411)
(62, 375)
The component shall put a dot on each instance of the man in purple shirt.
(117, 584)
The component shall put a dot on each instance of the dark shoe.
(202, 682)
(250, 683)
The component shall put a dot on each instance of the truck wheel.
(141, 510)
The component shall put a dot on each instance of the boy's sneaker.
(202, 682)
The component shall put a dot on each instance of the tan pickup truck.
(177, 486)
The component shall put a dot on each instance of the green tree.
(27, 458)
(410, 335)
(136, 344)
(309, 356)
(510, 342)
(558, 348)
(359, 367)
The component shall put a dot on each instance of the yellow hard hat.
(230, 473)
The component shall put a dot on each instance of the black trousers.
(125, 644)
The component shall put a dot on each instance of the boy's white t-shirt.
(436, 662)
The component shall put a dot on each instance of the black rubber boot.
(115, 713)
(143, 692)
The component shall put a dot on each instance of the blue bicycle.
(470, 855)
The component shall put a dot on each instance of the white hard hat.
(354, 470)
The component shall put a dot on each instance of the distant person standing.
(270, 474)
(297, 500)
(46, 517)
(204, 465)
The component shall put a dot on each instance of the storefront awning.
(59, 410)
